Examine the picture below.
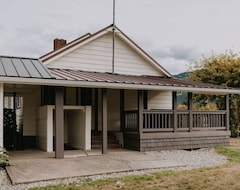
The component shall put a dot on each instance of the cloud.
(176, 59)
(177, 53)
(173, 66)
(175, 32)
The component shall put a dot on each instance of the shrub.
(4, 159)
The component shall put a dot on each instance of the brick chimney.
(58, 43)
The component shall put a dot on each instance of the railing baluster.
(159, 124)
(152, 122)
(149, 121)
(156, 121)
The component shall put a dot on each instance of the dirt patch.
(235, 142)
(221, 178)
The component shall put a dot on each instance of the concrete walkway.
(32, 166)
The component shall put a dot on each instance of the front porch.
(164, 129)
(142, 120)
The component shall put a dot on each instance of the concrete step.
(99, 141)
(96, 140)
(110, 146)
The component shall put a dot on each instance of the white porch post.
(1, 113)
(49, 128)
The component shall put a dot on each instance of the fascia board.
(142, 53)
(72, 43)
(74, 47)
(63, 51)
(67, 83)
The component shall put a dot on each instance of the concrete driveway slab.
(26, 170)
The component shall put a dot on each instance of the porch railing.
(157, 120)
(213, 119)
(163, 120)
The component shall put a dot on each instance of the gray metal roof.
(23, 67)
(76, 75)
(15, 68)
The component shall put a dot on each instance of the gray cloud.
(173, 32)
(174, 66)
(176, 59)
(177, 53)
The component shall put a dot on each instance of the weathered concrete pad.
(27, 170)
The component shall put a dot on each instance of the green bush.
(4, 159)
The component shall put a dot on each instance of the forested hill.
(183, 75)
(181, 96)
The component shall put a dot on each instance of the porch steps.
(96, 140)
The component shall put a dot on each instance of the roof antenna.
(113, 38)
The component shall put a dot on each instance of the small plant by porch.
(4, 159)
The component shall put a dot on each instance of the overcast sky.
(174, 32)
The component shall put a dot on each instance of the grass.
(232, 153)
(222, 177)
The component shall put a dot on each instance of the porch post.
(1, 113)
(140, 111)
(228, 112)
(190, 108)
(174, 107)
(59, 122)
(88, 118)
(96, 110)
(122, 108)
(104, 121)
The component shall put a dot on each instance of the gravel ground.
(192, 159)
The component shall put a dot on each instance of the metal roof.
(83, 76)
(17, 69)
(23, 67)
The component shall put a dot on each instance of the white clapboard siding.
(44, 132)
(97, 56)
(113, 109)
(75, 128)
(30, 106)
(130, 100)
(159, 100)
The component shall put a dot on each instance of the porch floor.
(34, 165)
(36, 154)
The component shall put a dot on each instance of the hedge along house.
(77, 90)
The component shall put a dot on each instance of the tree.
(222, 69)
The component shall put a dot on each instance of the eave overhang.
(113, 85)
